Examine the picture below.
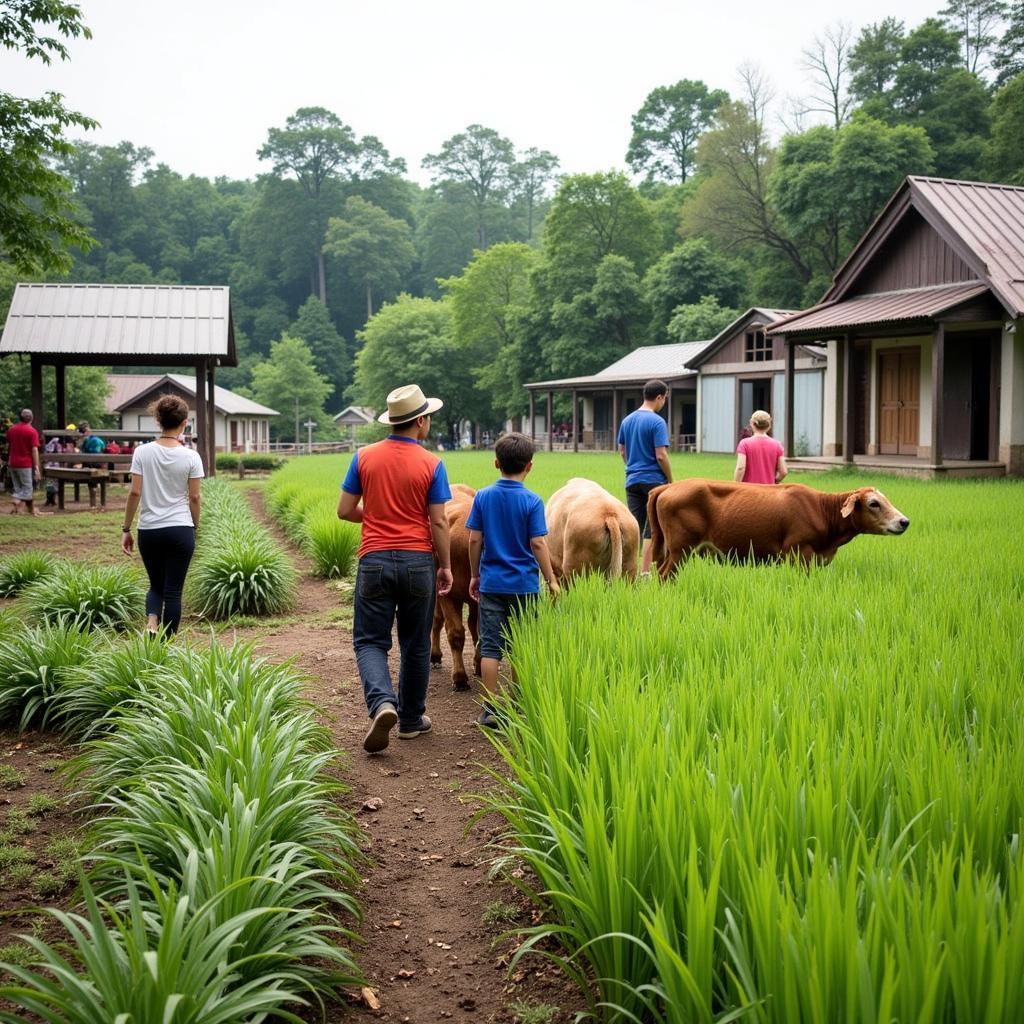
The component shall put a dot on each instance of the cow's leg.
(435, 634)
(456, 632)
(474, 632)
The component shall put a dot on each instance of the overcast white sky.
(200, 82)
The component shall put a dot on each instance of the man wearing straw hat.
(398, 490)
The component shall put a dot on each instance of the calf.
(762, 521)
(448, 609)
(590, 531)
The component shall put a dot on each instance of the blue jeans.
(390, 585)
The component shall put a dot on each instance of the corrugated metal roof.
(126, 388)
(758, 314)
(990, 221)
(880, 308)
(640, 365)
(118, 320)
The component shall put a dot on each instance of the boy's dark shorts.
(636, 499)
(495, 612)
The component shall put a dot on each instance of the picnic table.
(92, 477)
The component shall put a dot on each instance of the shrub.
(97, 596)
(262, 461)
(246, 573)
(330, 543)
(226, 460)
(21, 570)
(34, 662)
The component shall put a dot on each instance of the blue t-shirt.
(641, 432)
(508, 515)
(93, 445)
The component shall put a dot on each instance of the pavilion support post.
(36, 374)
(211, 418)
(533, 417)
(60, 382)
(200, 436)
(575, 421)
(668, 416)
(615, 419)
(551, 432)
(788, 427)
(849, 399)
(938, 375)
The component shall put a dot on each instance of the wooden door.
(234, 436)
(899, 398)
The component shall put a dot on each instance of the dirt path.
(429, 953)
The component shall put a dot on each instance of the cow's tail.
(657, 534)
(611, 524)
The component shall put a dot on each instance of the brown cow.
(448, 609)
(762, 521)
(589, 530)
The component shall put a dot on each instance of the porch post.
(36, 375)
(938, 373)
(551, 433)
(789, 433)
(533, 418)
(211, 419)
(200, 435)
(615, 419)
(668, 416)
(575, 422)
(848, 399)
(61, 389)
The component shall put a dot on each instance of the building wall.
(252, 431)
(1011, 407)
(718, 413)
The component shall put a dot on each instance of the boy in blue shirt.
(643, 445)
(507, 546)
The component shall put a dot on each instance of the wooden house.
(351, 418)
(743, 369)
(924, 324)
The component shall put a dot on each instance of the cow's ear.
(849, 505)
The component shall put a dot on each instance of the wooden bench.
(91, 477)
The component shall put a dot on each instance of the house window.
(758, 347)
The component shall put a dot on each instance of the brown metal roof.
(120, 322)
(880, 308)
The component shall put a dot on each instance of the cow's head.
(873, 512)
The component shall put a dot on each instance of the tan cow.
(449, 608)
(589, 530)
(762, 521)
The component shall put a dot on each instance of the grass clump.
(10, 777)
(500, 912)
(330, 543)
(22, 570)
(108, 597)
(41, 804)
(532, 1013)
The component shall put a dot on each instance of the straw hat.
(406, 403)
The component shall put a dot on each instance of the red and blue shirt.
(397, 480)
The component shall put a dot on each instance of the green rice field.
(775, 794)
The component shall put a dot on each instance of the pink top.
(763, 454)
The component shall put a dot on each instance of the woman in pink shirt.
(760, 459)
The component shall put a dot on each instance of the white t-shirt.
(165, 475)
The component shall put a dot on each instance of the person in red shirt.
(23, 463)
(760, 459)
(113, 448)
(397, 491)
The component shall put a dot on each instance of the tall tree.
(372, 247)
(827, 60)
(330, 353)
(1004, 157)
(531, 175)
(666, 129)
(288, 382)
(874, 58)
(37, 223)
(480, 159)
(700, 321)
(975, 21)
(1008, 56)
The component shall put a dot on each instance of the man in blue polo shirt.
(507, 546)
(643, 445)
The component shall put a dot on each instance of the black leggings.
(165, 554)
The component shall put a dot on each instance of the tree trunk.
(322, 275)
(296, 422)
(369, 300)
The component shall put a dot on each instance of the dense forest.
(347, 277)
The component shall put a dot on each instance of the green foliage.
(86, 391)
(289, 382)
(20, 571)
(329, 350)
(330, 542)
(666, 129)
(91, 596)
(700, 321)
(830, 834)
(1004, 159)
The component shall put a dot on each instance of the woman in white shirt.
(165, 489)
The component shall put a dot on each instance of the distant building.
(352, 417)
(241, 425)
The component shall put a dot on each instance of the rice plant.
(34, 663)
(330, 542)
(245, 574)
(93, 596)
(22, 570)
